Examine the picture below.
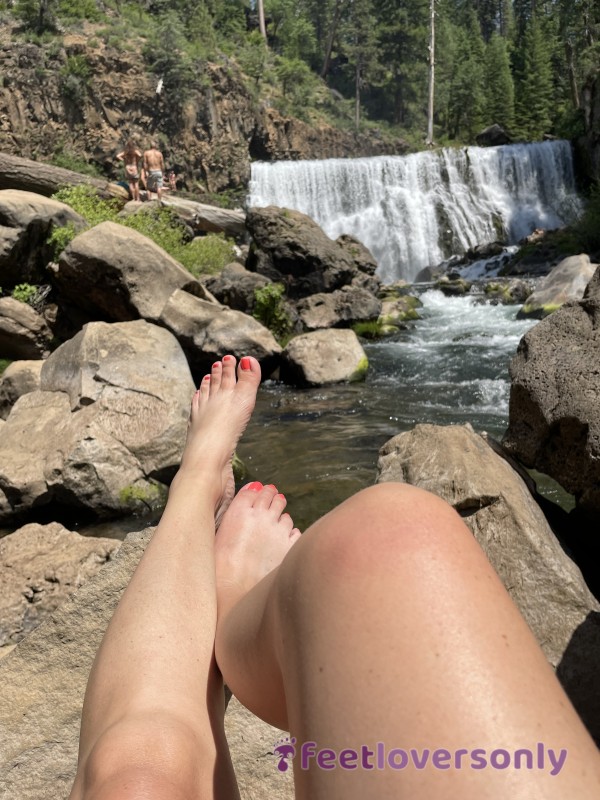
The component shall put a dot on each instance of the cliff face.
(213, 138)
(589, 145)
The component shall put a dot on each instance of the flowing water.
(414, 211)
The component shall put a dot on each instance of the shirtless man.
(154, 166)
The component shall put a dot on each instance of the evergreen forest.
(365, 63)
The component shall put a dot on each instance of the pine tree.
(361, 49)
(499, 87)
(467, 98)
(536, 90)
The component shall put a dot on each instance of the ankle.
(198, 482)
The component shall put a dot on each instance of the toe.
(195, 403)
(248, 373)
(204, 390)
(278, 503)
(228, 380)
(295, 535)
(286, 523)
(215, 377)
(265, 497)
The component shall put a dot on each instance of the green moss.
(373, 329)
(4, 363)
(240, 471)
(360, 372)
(150, 495)
(539, 312)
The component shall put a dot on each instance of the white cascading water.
(415, 211)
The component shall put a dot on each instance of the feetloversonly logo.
(379, 756)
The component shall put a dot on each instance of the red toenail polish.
(245, 363)
(281, 495)
(227, 358)
(216, 364)
(206, 378)
(256, 486)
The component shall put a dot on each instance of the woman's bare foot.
(254, 536)
(220, 412)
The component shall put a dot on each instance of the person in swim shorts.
(154, 167)
(381, 632)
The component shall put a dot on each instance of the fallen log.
(45, 179)
(208, 219)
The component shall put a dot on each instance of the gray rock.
(107, 429)
(554, 424)
(20, 377)
(210, 219)
(207, 332)
(459, 466)
(341, 308)
(23, 332)
(322, 357)
(234, 286)
(290, 248)
(493, 137)
(26, 220)
(567, 281)
(117, 273)
(40, 566)
(42, 684)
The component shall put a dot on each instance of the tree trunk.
(332, 32)
(429, 140)
(261, 19)
(357, 95)
(35, 176)
(572, 76)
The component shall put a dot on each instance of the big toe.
(248, 374)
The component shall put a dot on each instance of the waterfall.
(415, 211)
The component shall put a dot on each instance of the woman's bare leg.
(386, 623)
(152, 722)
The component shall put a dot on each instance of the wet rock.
(495, 503)
(567, 281)
(453, 285)
(341, 308)
(322, 357)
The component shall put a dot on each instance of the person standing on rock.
(381, 638)
(131, 156)
(154, 167)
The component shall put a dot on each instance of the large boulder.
(291, 248)
(107, 429)
(567, 281)
(207, 332)
(118, 274)
(26, 220)
(554, 420)
(210, 219)
(20, 377)
(322, 357)
(40, 566)
(458, 465)
(235, 286)
(493, 136)
(341, 308)
(23, 332)
(42, 684)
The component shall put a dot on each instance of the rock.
(207, 332)
(107, 429)
(210, 219)
(396, 312)
(554, 424)
(340, 308)
(118, 273)
(453, 285)
(567, 281)
(459, 466)
(26, 220)
(492, 137)
(290, 248)
(18, 378)
(322, 357)
(507, 292)
(361, 255)
(40, 708)
(40, 566)
(234, 286)
(23, 332)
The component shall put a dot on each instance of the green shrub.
(79, 9)
(269, 308)
(68, 160)
(85, 201)
(25, 293)
(75, 78)
(61, 237)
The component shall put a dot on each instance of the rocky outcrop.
(567, 281)
(40, 566)
(20, 377)
(554, 423)
(290, 248)
(207, 332)
(23, 332)
(322, 357)
(341, 308)
(26, 220)
(118, 274)
(213, 138)
(107, 428)
(459, 466)
(40, 709)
